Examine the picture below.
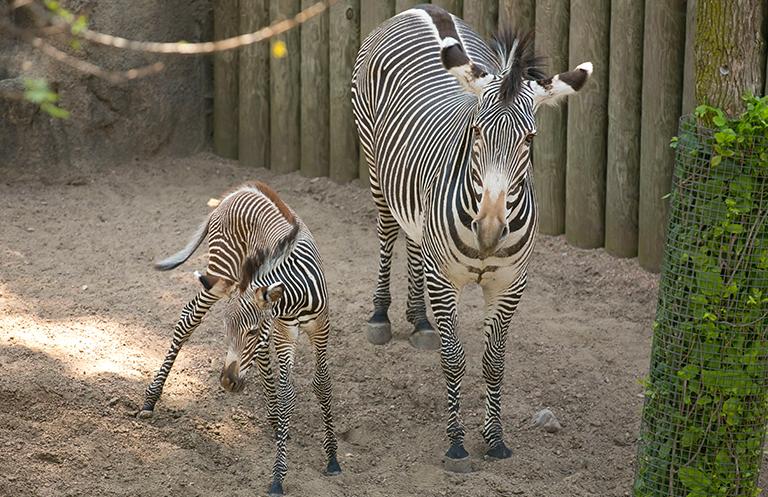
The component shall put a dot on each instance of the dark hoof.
(425, 339)
(457, 460)
(379, 329)
(333, 468)
(499, 451)
(276, 489)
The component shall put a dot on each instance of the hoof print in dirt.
(546, 420)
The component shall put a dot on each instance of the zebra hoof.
(145, 414)
(425, 339)
(457, 460)
(333, 468)
(498, 452)
(276, 489)
(379, 333)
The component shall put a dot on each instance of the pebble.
(113, 401)
(546, 420)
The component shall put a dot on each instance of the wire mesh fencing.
(706, 396)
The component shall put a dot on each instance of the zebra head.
(502, 127)
(248, 325)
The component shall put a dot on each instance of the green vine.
(706, 396)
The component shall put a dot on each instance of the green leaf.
(694, 479)
(719, 121)
(716, 160)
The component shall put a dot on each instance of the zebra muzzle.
(230, 378)
(489, 234)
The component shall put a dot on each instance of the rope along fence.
(706, 404)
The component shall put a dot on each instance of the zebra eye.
(529, 138)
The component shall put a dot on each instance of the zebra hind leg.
(191, 316)
(379, 328)
(321, 385)
(423, 335)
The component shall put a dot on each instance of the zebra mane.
(264, 260)
(518, 61)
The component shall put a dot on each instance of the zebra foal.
(446, 124)
(260, 251)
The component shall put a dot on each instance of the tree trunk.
(729, 51)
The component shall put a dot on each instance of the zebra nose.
(230, 378)
(504, 233)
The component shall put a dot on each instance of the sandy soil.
(85, 321)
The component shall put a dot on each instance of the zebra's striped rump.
(263, 256)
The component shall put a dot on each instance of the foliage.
(38, 92)
(706, 399)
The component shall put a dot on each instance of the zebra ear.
(456, 61)
(268, 295)
(549, 91)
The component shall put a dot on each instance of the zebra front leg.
(190, 318)
(443, 296)
(321, 384)
(286, 399)
(423, 335)
(500, 309)
(264, 363)
(379, 328)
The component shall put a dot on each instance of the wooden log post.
(452, 6)
(253, 91)
(663, 52)
(315, 97)
(519, 15)
(689, 71)
(587, 126)
(285, 91)
(226, 23)
(344, 39)
(550, 145)
(482, 16)
(730, 52)
(624, 110)
(401, 5)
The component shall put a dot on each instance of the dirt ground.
(85, 321)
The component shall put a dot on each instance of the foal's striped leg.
(191, 316)
(267, 377)
(318, 332)
(285, 347)
(423, 335)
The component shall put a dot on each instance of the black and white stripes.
(261, 251)
(446, 124)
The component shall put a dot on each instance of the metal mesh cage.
(705, 406)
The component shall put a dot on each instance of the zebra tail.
(180, 257)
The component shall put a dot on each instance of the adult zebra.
(446, 124)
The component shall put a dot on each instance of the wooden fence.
(602, 161)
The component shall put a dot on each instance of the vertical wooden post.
(253, 91)
(372, 13)
(689, 65)
(519, 15)
(226, 23)
(452, 6)
(344, 39)
(624, 108)
(285, 91)
(482, 16)
(663, 52)
(587, 126)
(550, 145)
(315, 106)
(401, 5)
